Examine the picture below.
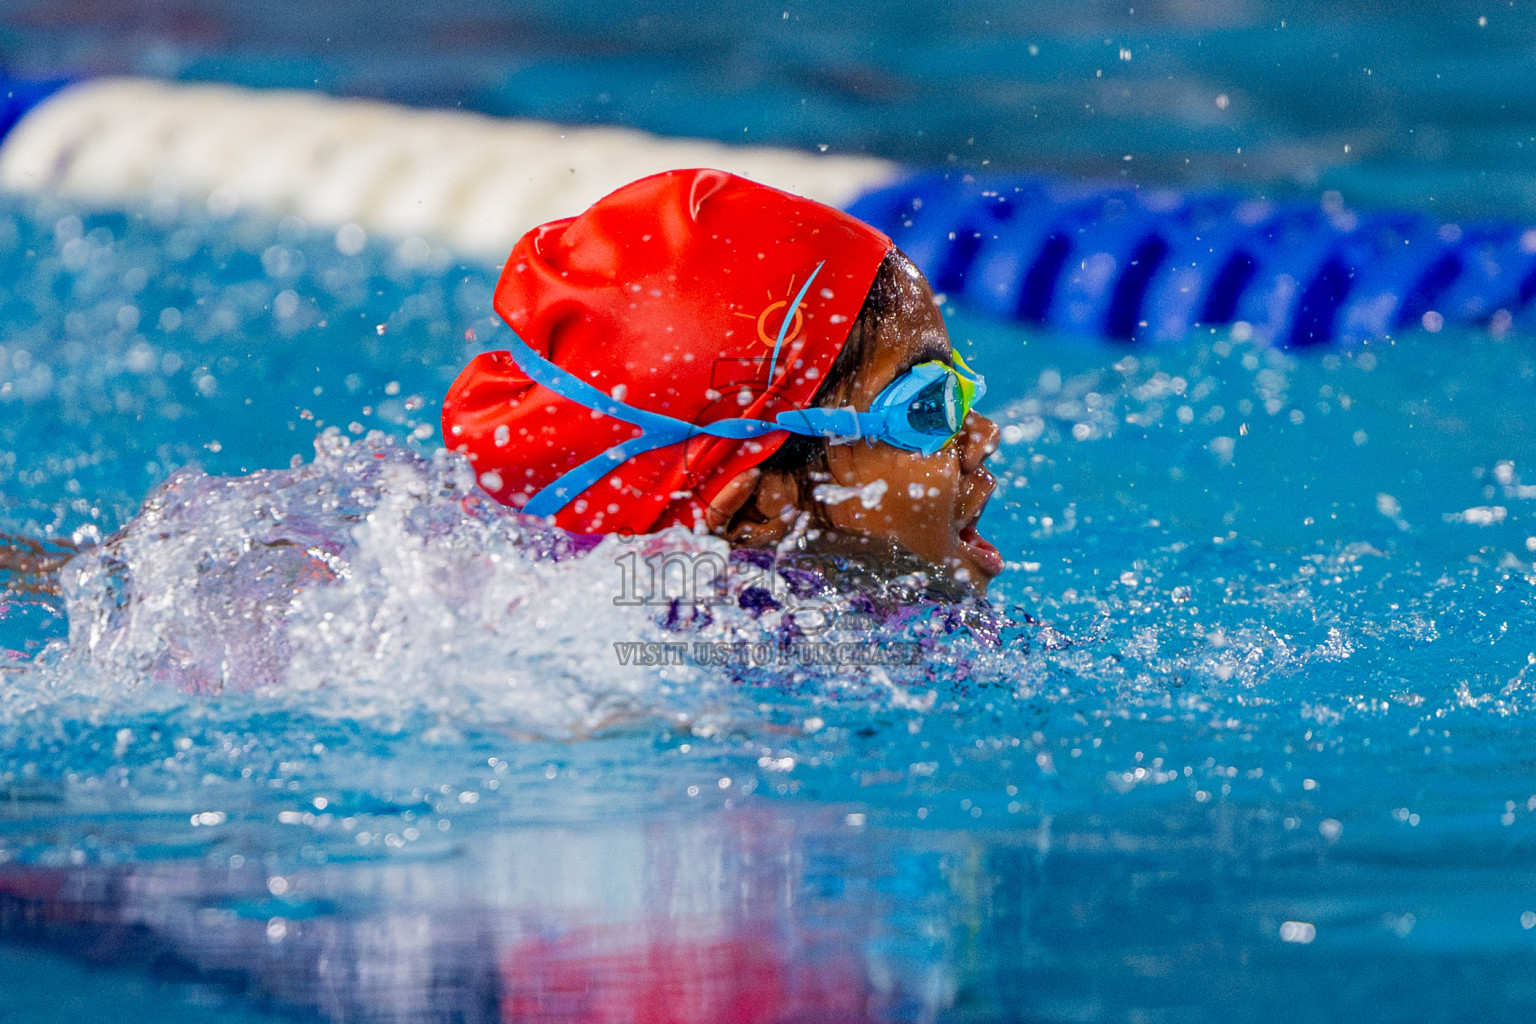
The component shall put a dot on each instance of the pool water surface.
(314, 732)
(317, 730)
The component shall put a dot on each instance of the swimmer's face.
(931, 503)
(925, 504)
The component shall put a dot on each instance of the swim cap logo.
(780, 335)
(786, 321)
(737, 383)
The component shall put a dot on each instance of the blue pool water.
(1278, 675)
(315, 732)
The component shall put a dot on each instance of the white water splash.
(368, 582)
(870, 495)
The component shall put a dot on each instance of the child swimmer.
(702, 350)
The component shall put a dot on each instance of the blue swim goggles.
(920, 411)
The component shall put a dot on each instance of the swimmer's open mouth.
(982, 551)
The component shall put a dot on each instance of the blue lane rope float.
(17, 96)
(1149, 266)
(1113, 262)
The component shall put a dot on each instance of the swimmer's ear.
(753, 510)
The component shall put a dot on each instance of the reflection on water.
(785, 915)
(748, 917)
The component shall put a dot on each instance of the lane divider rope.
(1098, 261)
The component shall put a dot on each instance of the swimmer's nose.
(977, 441)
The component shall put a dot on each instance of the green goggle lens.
(940, 407)
(937, 408)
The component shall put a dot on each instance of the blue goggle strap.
(657, 429)
(886, 422)
(835, 424)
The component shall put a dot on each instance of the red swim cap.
(668, 295)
